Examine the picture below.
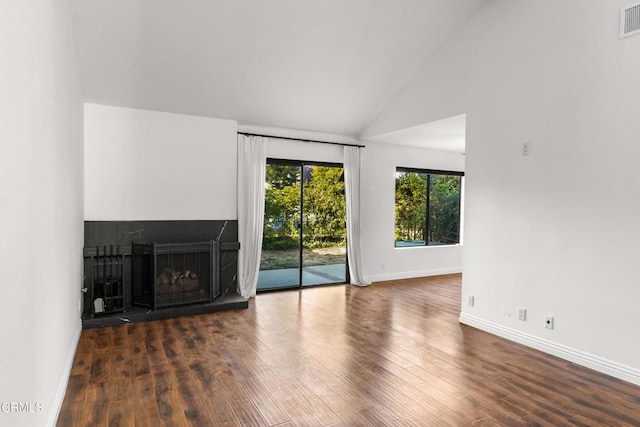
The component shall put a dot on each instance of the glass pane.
(324, 232)
(444, 209)
(280, 261)
(410, 209)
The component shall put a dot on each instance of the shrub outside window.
(427, 209)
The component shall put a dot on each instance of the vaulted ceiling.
(320, 65)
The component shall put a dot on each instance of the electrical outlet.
(548, 322)
(470, 301)
(526, 148)
(522, 313)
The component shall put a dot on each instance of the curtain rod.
(303, 140)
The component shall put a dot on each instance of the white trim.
(56, 405)
(413, 274)
(579, 357)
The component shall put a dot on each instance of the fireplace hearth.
(175, 274)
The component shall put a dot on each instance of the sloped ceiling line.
(320, 65)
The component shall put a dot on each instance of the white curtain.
(252, 159)
(352, 192)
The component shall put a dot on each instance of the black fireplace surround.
(164, 268)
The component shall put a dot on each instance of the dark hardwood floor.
(392, 354)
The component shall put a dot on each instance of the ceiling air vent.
(630, 20)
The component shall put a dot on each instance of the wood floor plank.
(95, 414)
(240, 403)
(414, 421)
(168, 401)
(487, 422)
(454, 409)
(344, 410)
(257, 392)
(504, 412)
(313, 403)
(145, 414)
(71, 414)
(377, 417)
(192, 396)
(391, 354)
(298, 414)
(120, 414)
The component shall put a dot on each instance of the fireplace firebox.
(174, 274)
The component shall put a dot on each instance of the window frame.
(429, 172)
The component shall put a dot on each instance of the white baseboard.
(413, 274)
(56, 405)
(591, 361)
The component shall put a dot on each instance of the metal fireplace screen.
(171, 274)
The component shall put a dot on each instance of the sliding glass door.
(304, 241)
(280, 261)
(324, 234)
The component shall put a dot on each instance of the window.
(427, 207)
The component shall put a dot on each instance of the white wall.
(40, 208)
(554, 232)
(381, 260)
(150, 165)
(133, 158)
(305, 151)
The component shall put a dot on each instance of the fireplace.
(174, 274)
